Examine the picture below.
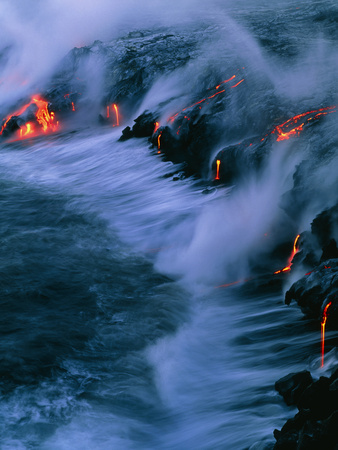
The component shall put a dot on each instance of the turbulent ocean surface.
(131, 315)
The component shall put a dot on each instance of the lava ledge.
(316, 423)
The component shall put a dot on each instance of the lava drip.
(159, 142)
(323, 323)
(294, 251)
(218, 163)
(115, 109)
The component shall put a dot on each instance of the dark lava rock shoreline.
(316, 423)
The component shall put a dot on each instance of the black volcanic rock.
(126, 134)
(318, 252)
(126, 67)
(293, 385)
(315, 290)
(237, 161)
(315, 425)
(144, 125)
(11, 127)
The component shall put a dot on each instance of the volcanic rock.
(293, 385)
(318, 251)
(315, 425)
(237, 161)
(144, 125)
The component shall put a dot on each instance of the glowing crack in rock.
(172, 118)
(237, 84)
(294, 251)
(225, 81)
(323, 323)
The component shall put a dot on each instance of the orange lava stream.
(114, 108)
(225, 81)
(282, 130)
(159, 141)
(218, 163)
(323, 323)
(237, 84)
(44, 118)
(294, 251)
(116, 115)
(172, 118)
(157, 126)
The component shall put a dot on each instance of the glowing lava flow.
(218, 163)
(116, 113)
(44, 118)
(323, 323)
(284, 132)
(172, 118)
(294, 251)
(157, 126)
(225, 81)
(237, 84)
(159, 142)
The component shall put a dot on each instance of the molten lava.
(115, 109)
(172, 118)
(156, 127)
(159, 141)
(237, 84)
(294, 251)
(44, 118)
(225, 81)
(323, 323)
(116, 114)
(288, 128)
(218, 163)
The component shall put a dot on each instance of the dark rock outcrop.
(315, 425)
(292, 386)
(318, 254)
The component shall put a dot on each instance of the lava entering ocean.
(43, 121)
(323, 323)
(114, 108)
(294, 251)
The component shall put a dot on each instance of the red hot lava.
(172, 118)
(293, 127)
(156, 127)
(218, 163)
(294, 251)
(114, 108)
(159, 142)
(323, 323)
(44, 118)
